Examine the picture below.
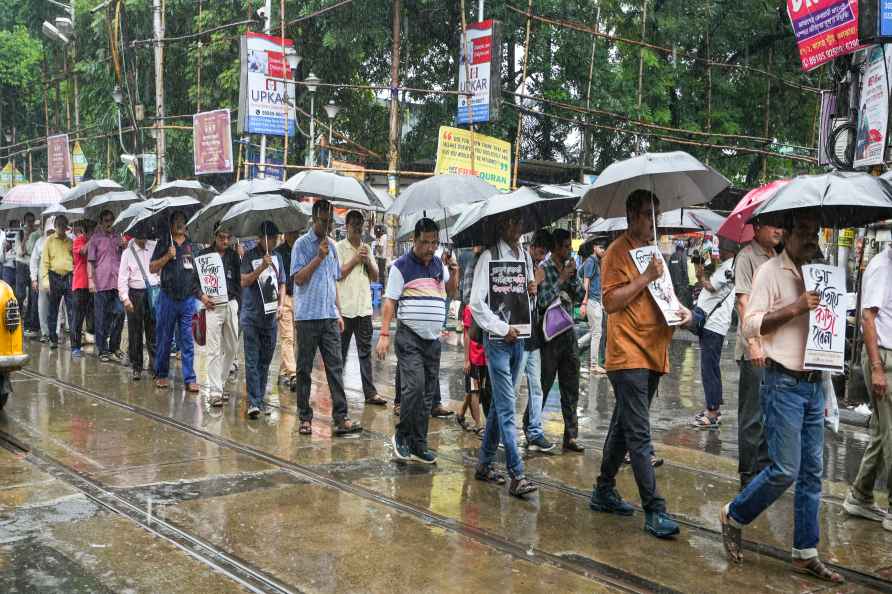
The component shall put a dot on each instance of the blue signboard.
(885, 18)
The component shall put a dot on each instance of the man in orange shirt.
(637, 355)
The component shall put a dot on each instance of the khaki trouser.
(221, 344)
(877, 461)
(286, 338)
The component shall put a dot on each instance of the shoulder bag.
(151, 290)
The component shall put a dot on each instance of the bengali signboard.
(212, 277)
(212, 142)
(873, 113)
(58, 157)
(268, 284)
(492, 157)
(661, 289)
(479, 72)
(824, 29)
(508, 295)
(826, 341)
(79, 163)
(262, 100)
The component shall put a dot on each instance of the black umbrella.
(154, 221)
(185, 187)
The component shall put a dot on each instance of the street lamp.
(117, 96)
(312, 82)
(331, 110)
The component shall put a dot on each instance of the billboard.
(873, 113)
(212, 142)
(58, 158)
(10, 176)
(262, 106)
(79, 163)
(492, 157)
(824, 29)
(480, 73)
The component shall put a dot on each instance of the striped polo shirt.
(421, 292)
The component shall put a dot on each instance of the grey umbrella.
(841, 199)
(72, 214)
(112, 201)
(440, 191)
(244, 219)
(680, 220)
(185, 187)
(15, 212)
(127, 215)
(201, 225)
(340, 190)
(444, 218)
(479, 225)
(154, 221)
(257, 186)
(80, 195)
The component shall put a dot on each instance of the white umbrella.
(80, 195)
(244, 219)
(444, 218)
(680, 220)
(111, 201)
(440, 191)
(72, 214)
(340, 190)
(564, 190)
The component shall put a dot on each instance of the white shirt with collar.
(483, 315)
(876, 293)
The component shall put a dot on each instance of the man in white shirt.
(133, 273)
(717, 304)
(876, 322)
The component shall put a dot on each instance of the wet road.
(127, 488)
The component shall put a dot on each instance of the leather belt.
(811, 377)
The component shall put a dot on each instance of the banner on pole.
(480, 73)
(79, 163)
(824, 29)
(212, 142)
(263, 101)
(58, 158)
(492, 157)
(873, 113)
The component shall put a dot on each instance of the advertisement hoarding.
(212, 142)
(479, 72)
(58, 157)
(824, 29)
(873, 113)
(79, 163)
(492, 157)
(262, 100)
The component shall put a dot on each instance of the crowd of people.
(302, 293)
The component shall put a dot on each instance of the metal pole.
(311, 155)
(160, 144)
(393, 160)
(267, 27)
(523, 81)
(480, 6)
(330, 124)
(284, 103)
(77, 100)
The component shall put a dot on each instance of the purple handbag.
(555, 320)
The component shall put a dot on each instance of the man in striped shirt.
(419, 281)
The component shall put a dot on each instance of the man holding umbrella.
(103, 262)
(173, 260)
(55, 272)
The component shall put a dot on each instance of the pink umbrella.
(35, 194)
(735, 226)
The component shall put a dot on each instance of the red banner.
(58, 158)
(212, 142)
(824, 29)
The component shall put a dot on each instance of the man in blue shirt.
(317, 319)
(591, 304)
(263, 289)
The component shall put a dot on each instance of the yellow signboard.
(78, 162)
(846, 238)
(11, 176)
(354, 170)
(492, 157)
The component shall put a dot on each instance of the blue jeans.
(711, 344)
(108, 315)
(260, 344)
(505, 363)
(532, 368)
(174, 317)
(794, 430)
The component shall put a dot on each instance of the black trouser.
(436, 401)
(630, 432)
(711, 344)
(60, 288)
(22, 286)
(560, 358)
(140, 323)
(418, 362)
(361, 327)
(83, 307)
(751, 446)
(322, 335)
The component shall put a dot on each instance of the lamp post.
(312, 82)
(293, 60)
(63, 32)
(331, 110)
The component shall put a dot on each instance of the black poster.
(508, 296)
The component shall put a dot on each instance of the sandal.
(306, 428)
(521, 486)
(460, 419)
(376, 400)
(815, 568)
(479, 431)
(346, 427)
(706, 422)
(488, 474)
(731, 537)
(162, 383)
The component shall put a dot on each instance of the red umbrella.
(35, 194)
(735, 226)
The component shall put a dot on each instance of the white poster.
(268, 281)
(661, 289)
(826, 341)
(262, 99)
(479, 73)
(212, 277)
(873, 113)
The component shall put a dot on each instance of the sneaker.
(76, 353)
(660, 525)
(217, 400)
(105, 357)
(54, 344)
(540, 444)
(267, 409)
(870, 511)
(253, 412)
(887, 523)
(136, 375)
(609, 502)
(400, 450)
(425, 457)
(44, 339)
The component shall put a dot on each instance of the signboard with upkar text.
(212, 142)
(262, 99)
(491, 162)
(824, 29)
(479, 72)
(58, 156)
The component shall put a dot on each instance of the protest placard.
(508, 296)
(661, 289)
(826, 341)
(269, 285)
(212, 277)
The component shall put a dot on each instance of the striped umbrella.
(37, 193)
